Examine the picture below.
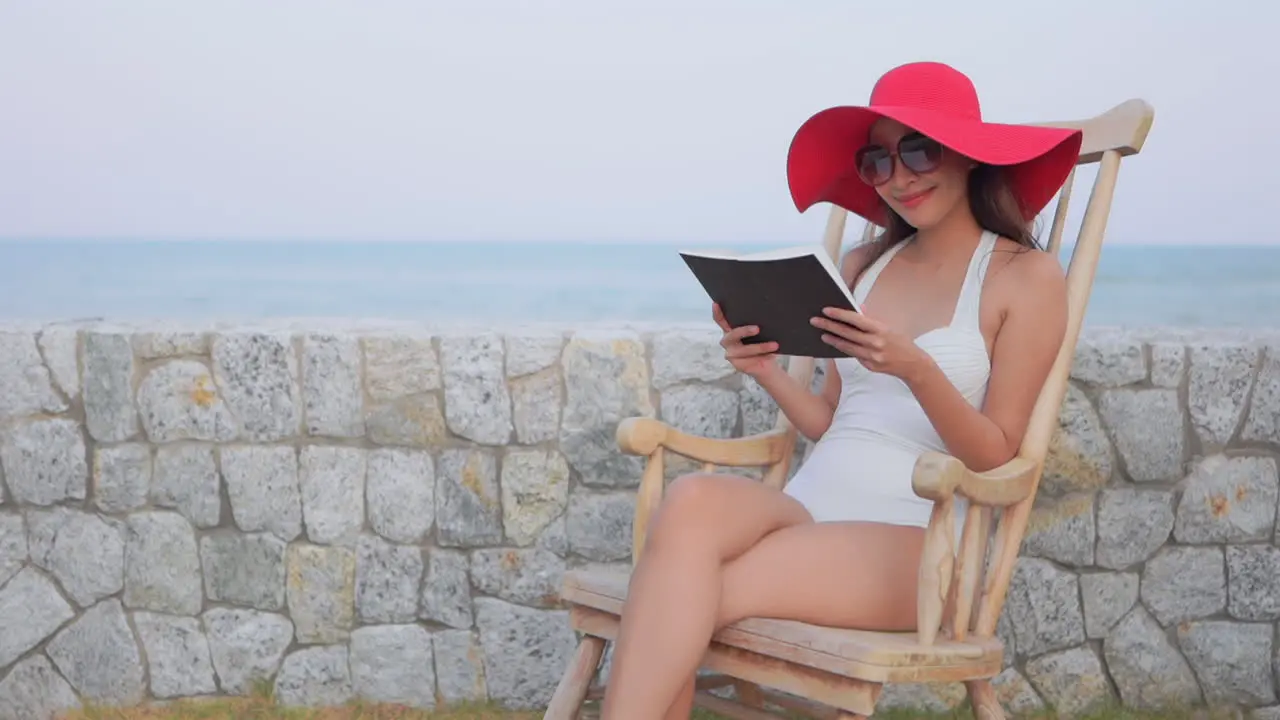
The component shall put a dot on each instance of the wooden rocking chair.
(828, 672)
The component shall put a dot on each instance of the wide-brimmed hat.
(940, 102)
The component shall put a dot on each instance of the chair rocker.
(839, 673)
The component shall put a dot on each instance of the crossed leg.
(723, 548)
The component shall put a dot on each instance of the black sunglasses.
(918, 153)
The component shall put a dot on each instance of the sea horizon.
(512, 282)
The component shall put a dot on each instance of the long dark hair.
(992, 203)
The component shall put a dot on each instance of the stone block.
(469, 505)
(33, 690)
(1109, 360)
(446, 589)
(1106, 597)
(1184, 583)
(162, 564)
(332, 391)
(315, 677)
(1218, 386)
(535, 491)
(1044, 607)
(320, 586)
(13, 545)
(43, 461)
(530, 352)
(1148, 670)
(246, 569)
(1228, 499)
(109, 412)
(1062, 529)
(1231, 659)
(98, 655)
(60, 346)
(185, 477)
(179, 400)
(606, 381)
(477, 401)
(397, 366)
(529, 576)
(401, 494)
(121, 477)
(331, 483)
(1253, 582)
(525, 651)
(1133, 523)
(537, 404)
(31, 609)
(459, 667)
(246, 646)
(1148, 429)
(26, 387)
(388, 580)
(682, 356)
(1263, 421)
(178, 660)
(262, 483)
(393, 664)
(1080, 456)
(1072, 681)
(257, 373)
(84, 552)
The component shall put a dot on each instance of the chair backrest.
(1117, 133)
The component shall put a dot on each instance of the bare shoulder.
(1026, 279)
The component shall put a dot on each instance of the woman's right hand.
(748, 359)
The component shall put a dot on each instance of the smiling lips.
(915, 198)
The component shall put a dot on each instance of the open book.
(777, 290)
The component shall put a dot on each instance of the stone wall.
(385, 511)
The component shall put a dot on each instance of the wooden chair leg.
(572, 689)
(986, 706)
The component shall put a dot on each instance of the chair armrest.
(642, 436)
(938, 476)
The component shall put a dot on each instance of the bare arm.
(810, 413)
(1024, 351)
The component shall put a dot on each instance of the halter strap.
(970, 301)
(968, 304)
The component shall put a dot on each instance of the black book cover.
(778, 291)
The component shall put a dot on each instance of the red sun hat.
(940, 102)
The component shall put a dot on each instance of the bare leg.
(854, 575)
(674, 597)
(683, 704)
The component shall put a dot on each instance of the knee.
(687, 504)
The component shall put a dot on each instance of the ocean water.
(524, 282)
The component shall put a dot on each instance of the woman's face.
(922, 196)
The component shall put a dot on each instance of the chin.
(921, 218)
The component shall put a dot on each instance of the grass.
(262, 708)
(258, 708)
(260, 705)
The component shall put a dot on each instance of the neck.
(958, 232)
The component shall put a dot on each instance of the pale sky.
(583, 119)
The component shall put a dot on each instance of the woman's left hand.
(879, 348)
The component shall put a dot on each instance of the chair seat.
(859, 654)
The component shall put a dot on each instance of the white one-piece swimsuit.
(860, 469)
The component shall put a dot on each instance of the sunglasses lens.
(875, 164)
(919, 153)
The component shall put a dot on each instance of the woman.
(963, 318)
